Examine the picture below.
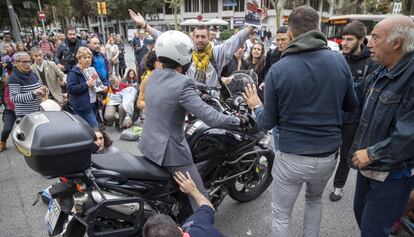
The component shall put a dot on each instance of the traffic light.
(98, 4)
(103, 8)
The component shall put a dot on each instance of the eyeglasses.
(24, 62)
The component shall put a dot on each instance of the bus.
(334, 25)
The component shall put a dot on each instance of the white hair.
(406, 33)
(19, 55)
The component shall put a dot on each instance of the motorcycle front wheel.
(251, 185)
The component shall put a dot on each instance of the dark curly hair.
(107, 139)
(149, 60)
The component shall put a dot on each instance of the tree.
(175, 6)
(408, 7)
(118, 9)
(278, 6)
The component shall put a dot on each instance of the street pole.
(103, 30)
(13, 21)
(43, 21)
(54, 16)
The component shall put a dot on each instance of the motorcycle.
(113, 195)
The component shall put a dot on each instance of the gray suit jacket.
(168, 97)
(53, 76)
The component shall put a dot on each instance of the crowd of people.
(321, 106)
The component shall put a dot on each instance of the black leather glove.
(244, 120)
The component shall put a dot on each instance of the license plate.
(52, 215)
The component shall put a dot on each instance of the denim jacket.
(386, 128)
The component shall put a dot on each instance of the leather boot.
(2, 146)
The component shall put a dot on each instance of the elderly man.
(25, 88)
(305, 102)
(47, 47)
(207, 61)
(49, 73)
(384, 141)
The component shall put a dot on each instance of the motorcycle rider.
(169, 95)
(208, 60)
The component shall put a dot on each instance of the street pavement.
(19, 186)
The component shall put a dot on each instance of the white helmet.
(174, 45)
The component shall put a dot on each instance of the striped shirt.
(21, 87)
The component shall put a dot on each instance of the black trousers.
(348, 134)
(9, 117)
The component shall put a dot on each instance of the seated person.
(200, 224)
(103, 142)
(115, 102)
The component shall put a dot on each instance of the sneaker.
(336, 195)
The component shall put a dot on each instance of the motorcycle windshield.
(239, 81)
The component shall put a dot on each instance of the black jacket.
(361, 66)
(272, 57)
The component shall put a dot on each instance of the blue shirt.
(201, 223)
(304, 96)
(100, 67)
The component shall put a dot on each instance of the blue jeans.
(89, 116)
(377, 205)
(9, 117)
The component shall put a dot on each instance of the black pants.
(9, 117)
(195, 176)
(348, 134)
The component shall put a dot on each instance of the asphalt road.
(19, 186)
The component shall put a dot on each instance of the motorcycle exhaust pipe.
(127, 208)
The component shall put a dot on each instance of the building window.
(325, 7)
(314, 4)
(238, 8)
(167, 9)
(191, 6)
(210, 6)
(267, 4)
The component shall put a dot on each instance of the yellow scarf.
(202, 58)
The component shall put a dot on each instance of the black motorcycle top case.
(54, 143)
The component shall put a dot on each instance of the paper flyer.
(253, 13)
(91, 74)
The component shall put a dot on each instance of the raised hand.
(137, 18)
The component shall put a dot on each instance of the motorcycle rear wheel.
(244, 189)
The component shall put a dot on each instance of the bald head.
(391, 39)
(94, 44)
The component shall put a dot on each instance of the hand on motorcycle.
(185, 182)
(251, 97)
(188, 186)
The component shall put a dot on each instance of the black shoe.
(336, 195)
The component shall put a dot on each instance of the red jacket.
(120, 88)
(7, 99)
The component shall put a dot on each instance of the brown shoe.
(2, 146)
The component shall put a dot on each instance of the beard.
(72, 41)
(353, 49)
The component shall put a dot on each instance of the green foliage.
(408, 7)
(118, 9)
(225, 34)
